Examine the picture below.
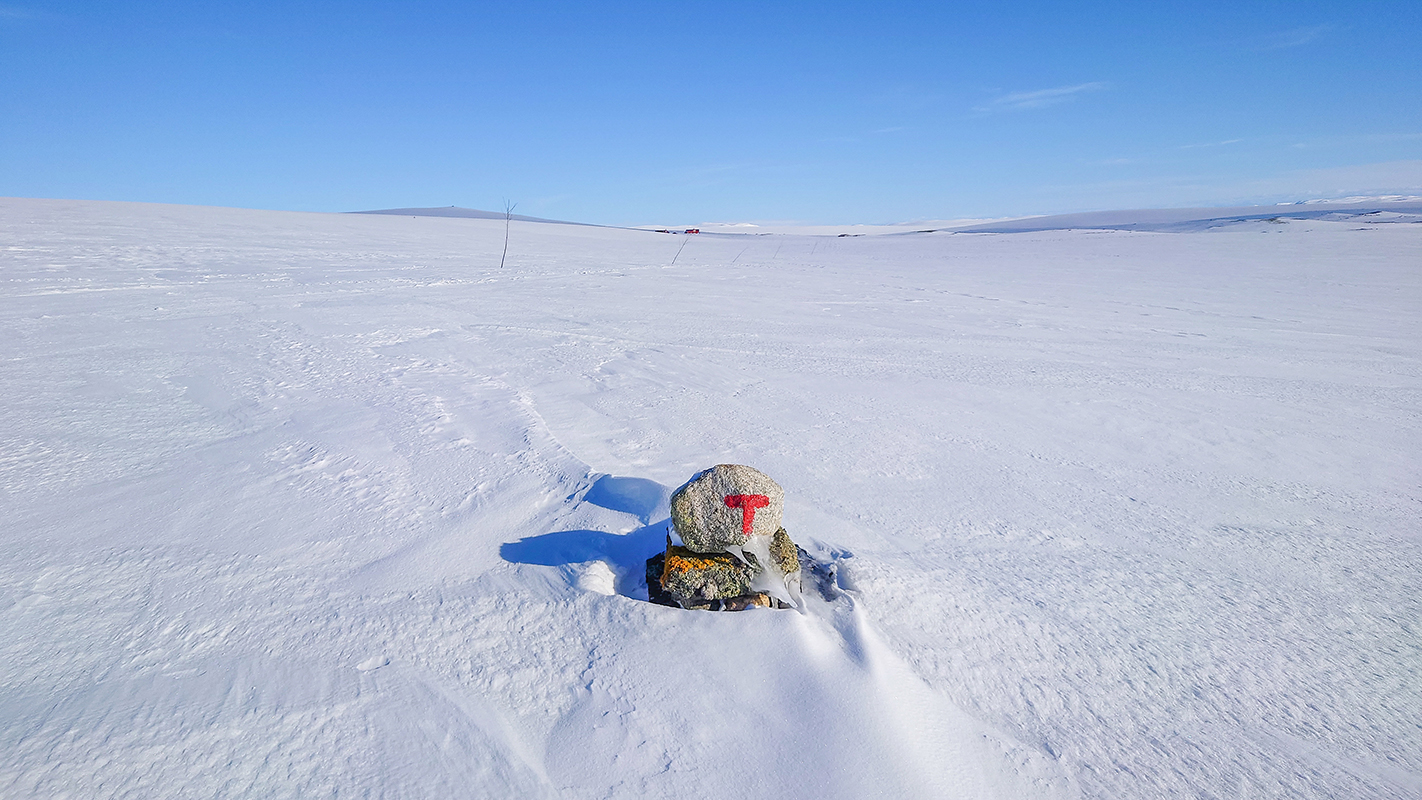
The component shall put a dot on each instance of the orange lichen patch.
(688, 561)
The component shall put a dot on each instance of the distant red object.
(693, 230)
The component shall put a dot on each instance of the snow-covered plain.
(330, 505)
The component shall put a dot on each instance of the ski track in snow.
(306, 505)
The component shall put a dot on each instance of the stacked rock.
(734, 553)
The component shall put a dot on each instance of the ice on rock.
(776, 572)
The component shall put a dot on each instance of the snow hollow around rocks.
(329, 505)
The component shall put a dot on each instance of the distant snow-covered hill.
(459, 213)
(1365, 209)
(1193, 219)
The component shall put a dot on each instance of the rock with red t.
(726, 506)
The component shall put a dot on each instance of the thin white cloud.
(1210, 144)
(908, 97)
(1310, 142)
(1294, 37)
(1386, 179)
(1370, 180)
(15, 13)
(1392, 137)
(1041, 98)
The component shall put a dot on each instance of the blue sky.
(631, 113)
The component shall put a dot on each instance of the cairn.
(734, 554)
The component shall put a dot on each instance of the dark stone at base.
(740, 603)
(745, 601)
(655, 592)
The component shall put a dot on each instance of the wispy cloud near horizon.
(1041, 98)
(1224, 143)
(1389, 179)
(1294, 37)
(16, 13)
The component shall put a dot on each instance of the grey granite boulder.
(725, 506)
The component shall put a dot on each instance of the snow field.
(316, 505)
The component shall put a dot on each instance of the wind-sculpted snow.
(318, 505)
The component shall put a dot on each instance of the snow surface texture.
(316, 505)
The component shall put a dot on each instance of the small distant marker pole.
(678, 251)
(508, 215)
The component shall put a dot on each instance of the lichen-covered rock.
(784, 553)
(656, 567)
(725, 506)
(694, 579)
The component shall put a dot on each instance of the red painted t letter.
(747, 503)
